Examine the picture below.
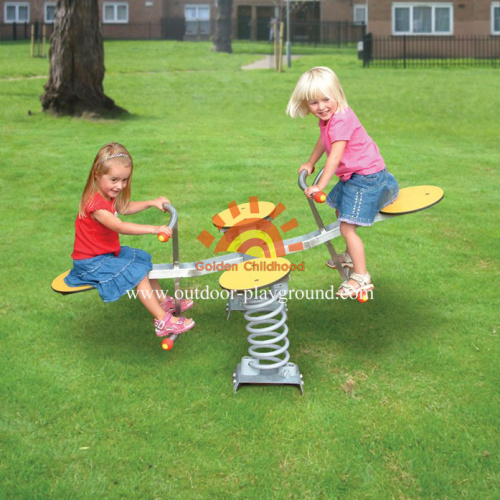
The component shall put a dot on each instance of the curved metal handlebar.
(173, 215)
(318, 196)
(319, 222)
(302, 179)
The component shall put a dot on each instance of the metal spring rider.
(259, 313)
(266, 314)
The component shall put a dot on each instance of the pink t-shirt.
(361, 154)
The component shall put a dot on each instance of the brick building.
(458, 17)
(195, 19)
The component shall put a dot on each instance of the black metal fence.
(394, 51)
(165, 29)
(341, 33)
(15, 31)
(328, 33)
(430, 51)
(302, 33)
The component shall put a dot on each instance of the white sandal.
(345, 257)
(348, 290)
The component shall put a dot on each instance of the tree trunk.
(222, 38)
(77, 63)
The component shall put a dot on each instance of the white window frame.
(494, 5)
(46, 20)
(115, 6)
(16, 5)
(197, 19)
(360, 6)
(411, 6)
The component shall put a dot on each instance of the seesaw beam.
(410, 200)
(310, 240)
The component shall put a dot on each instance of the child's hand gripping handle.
(318, 196)
(303, 185)
(163, 237)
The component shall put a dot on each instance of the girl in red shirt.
(98, 258)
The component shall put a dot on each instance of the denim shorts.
(112, 276)
(360, 198)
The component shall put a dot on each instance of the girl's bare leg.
(340, 255)
(355, 248)
(147, 292)
(147, 295)
(160, 294)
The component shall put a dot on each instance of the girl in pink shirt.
(364, 187)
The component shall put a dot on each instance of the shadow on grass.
(124, 329)
(387, 320)
(325, 335)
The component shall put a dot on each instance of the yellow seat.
(59, 286)
(255, 273)
(414, 199)
(237, 214)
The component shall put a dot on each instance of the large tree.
(222, 38)
(77, 63)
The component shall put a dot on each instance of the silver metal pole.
(334, 255)
(288, 44)
(175, 255)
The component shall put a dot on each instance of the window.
(49, 10)
(495, 18)
(360, 14)
(422, 19)
(197, 19)
(115, 12)
(16, 12)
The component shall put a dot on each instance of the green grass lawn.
(401, 393)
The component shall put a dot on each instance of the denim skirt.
(360, 198)
(112, 276)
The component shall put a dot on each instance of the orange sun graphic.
(248, 229)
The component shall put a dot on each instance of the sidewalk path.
(267, 63)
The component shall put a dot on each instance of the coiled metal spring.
(265, 317)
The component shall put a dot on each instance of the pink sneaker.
(166, 327)
(169, 304)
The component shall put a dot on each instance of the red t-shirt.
(91, 237)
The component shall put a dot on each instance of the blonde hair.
(101, 167)
(314, 84)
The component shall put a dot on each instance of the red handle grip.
(163, 237)
(319, 197)
(167, 344)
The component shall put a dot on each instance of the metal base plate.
(286, 375)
